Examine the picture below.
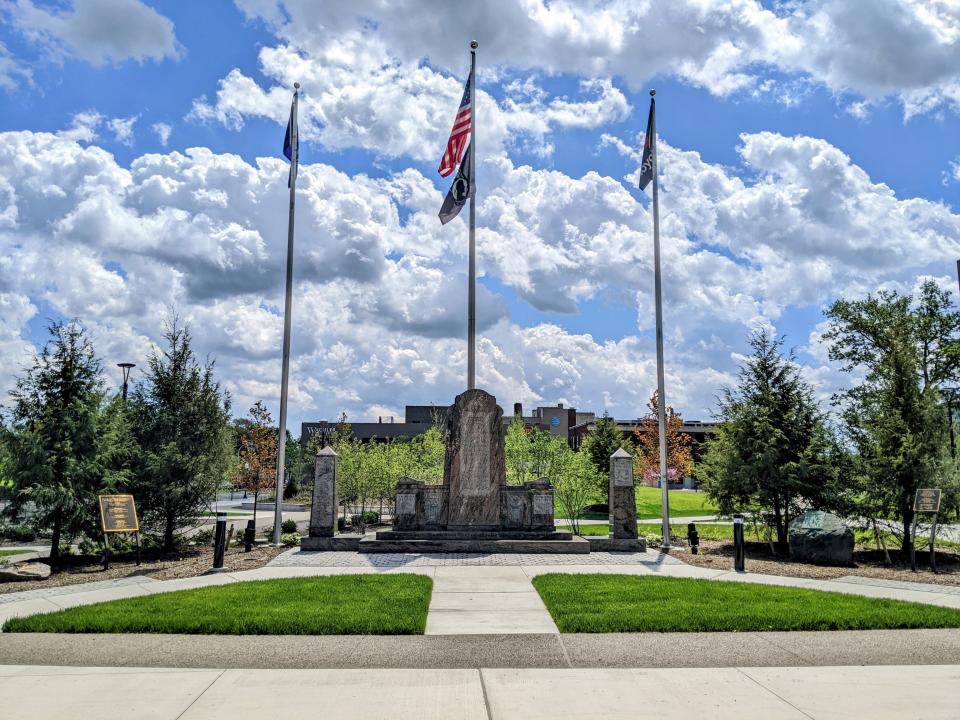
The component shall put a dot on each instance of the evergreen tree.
(65, 446)
(773, 451)
(907, 350)
(181, 422)
(601, 443)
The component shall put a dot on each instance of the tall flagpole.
(661, 396)
(287, 309)
(472, 283)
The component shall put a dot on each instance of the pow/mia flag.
(459, 191)
(646, 162)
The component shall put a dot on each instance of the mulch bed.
(188, 562)
(867, 563)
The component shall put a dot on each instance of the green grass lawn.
(6, 552)
(706, 532)
(394, 604)
(683, 503)
(628, 603)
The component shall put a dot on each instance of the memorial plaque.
(812, 520)
(543, 505)
(475, 455)
(118, 514)
(927, 500)
(406, 504)
(622, 475)
(432, 504)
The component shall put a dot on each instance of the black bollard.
(693, 538)
(738, 551)
(249, 536)
(219, 539)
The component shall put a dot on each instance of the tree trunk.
(907, 544)
(55, 541)
(168, 531)
(783, 547)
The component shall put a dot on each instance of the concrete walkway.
(853, 692)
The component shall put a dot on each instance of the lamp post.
(126, 367)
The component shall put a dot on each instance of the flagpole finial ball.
(296, 86)
(652, 93)
(474, 44)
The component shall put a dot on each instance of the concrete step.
(471, 535)
(575, 545)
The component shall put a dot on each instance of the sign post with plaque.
(927, 500)
(118, 514)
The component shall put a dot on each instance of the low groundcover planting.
(394, 604)
(629, 603)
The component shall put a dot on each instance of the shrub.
(341, 524)
(371, 517)
(19, 533)
(289, 526)
(203, 537)
(653, 541)
(290, 539)
(89, 547)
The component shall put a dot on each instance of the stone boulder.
(20, 572)
(820, 537)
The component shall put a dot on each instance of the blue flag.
(291, 142)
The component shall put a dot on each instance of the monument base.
(338, 542)
(609, 544)
(444, 543)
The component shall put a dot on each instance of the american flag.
(461, 130)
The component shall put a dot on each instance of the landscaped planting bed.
(630, 603)
(394, 604)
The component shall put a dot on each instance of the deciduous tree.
(907, 350)
(646, 434)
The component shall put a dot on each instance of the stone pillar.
(474, 469)
(623, 501)
(323, 510)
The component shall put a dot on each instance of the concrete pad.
(58, 670)
(714, 693)
(397, 694)
(486, 601)
(533, 571)
(492, 572)
(865, 647)
(514, 584)
(189, 583)
(26, 607)
(96, 596)
(466, 622)
(857, 692)
(121, 694)
(659, 650)
(781, 580)
(270, 572)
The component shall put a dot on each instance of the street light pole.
(126, 367)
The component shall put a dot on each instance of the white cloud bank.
(380, 297)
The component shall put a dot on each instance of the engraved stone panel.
(406, 504)
(474, 454)
(543, 505)
(323, 509)
(622, 474)
(433, 504)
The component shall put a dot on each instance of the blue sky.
(777, 139)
